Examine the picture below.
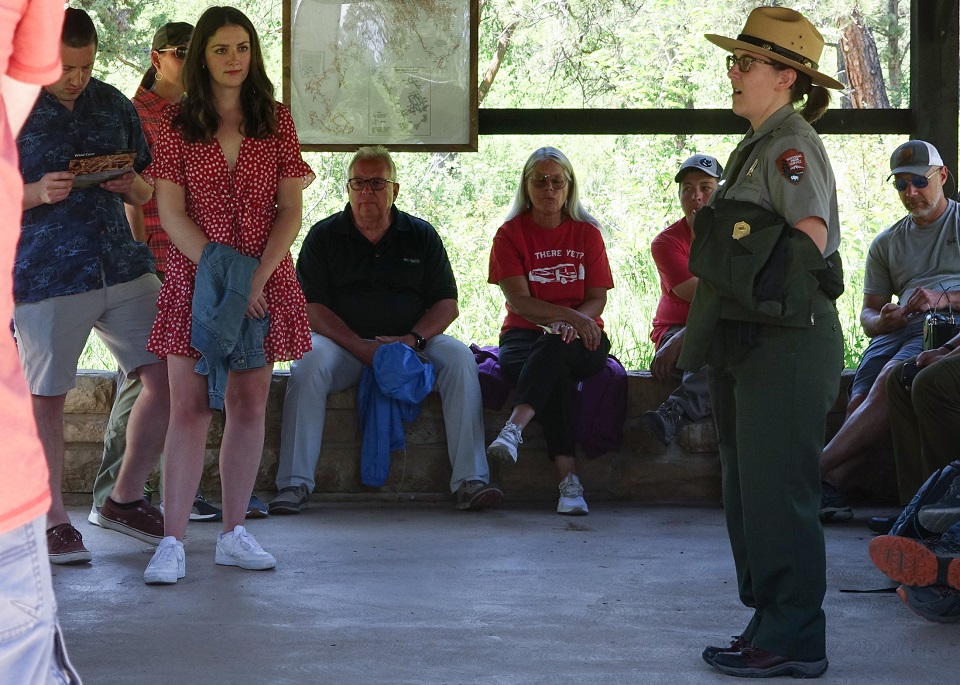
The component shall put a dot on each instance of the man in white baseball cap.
(917, 259)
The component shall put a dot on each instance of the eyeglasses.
(557, 182)
(358, 184)
(744, 62)
(180, 52)
(918, 182)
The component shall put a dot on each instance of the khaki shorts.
(52, 333)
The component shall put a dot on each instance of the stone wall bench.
(642, 470)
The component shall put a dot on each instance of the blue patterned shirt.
(84, 242)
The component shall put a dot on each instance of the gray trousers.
(329, 368)
(115, 437)
(692, 396)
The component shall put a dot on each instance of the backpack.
(908, 523)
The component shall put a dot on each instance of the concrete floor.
(417, 593)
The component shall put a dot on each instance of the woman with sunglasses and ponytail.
(229, 183)
(550, 261)
(764, 320)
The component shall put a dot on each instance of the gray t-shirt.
(907, 256)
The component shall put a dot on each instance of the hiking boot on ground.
(664, 422)
(737, 644)
(934, 603)
(753, 662)
(240, 548)
(168, 564)
(833, 504)
(65, 545)
(504, 448)
(140, 520)
(938, 516)
(475, 494)
(913, 562)
(290, 500)
(571, 497)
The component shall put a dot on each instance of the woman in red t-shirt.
(550, 261)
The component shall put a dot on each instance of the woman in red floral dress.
(228, 170)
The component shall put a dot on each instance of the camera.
(938, 328)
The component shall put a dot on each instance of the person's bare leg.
(48, 413)
(186, 443)
(146, 430)
(242, 447)
(521, 415)
(867, 424)
(565, 464)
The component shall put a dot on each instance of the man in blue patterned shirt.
(79, 269)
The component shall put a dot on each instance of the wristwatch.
(421, 343)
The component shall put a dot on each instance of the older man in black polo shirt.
(374, 275)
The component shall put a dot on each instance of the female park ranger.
(764, 320)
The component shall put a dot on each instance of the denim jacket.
(220, 330)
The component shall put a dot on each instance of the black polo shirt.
(380, 289)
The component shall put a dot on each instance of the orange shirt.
(29, 53)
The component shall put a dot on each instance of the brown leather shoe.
(143, 522)
(753, 662)
(65, 545)
(738, 643)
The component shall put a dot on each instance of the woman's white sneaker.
(571, 497)
(168, 564)
(240, 548)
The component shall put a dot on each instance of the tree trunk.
(862, 67)
(503, 42)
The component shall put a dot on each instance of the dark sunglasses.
(919, 182)
(180, 51)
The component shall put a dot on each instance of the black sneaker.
(204, 511)
(833, 504)
(664, 422)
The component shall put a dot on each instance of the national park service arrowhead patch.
(792, 165)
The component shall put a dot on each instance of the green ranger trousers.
(923, 420)
(770, 401)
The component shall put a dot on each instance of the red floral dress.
(236, 209)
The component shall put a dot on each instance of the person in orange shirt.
(32, 651)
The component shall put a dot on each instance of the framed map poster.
(400, 73)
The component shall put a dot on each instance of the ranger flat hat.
(784, 35)
(705, 163)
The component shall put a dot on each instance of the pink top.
(29, 53)
(236, 209)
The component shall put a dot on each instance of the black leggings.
(545, 370)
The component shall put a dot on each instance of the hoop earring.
(159, 76)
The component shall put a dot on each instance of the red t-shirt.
(559, 263)
(29, 53)
(671, 252)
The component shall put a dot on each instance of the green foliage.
(567, 53)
